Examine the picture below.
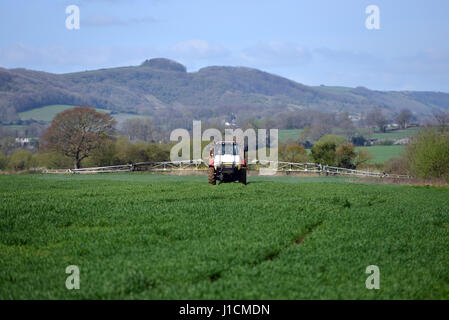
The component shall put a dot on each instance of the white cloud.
(198, 49)
(276, 54)
(57, 58)
(347, 57)
(60, 58)
(429, 61)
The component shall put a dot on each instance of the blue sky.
(312, 42)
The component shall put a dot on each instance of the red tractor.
(227, 162)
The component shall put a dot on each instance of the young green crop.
(147, 236)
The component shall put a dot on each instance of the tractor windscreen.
(228, 148)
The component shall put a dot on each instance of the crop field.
(383, 153)
(145, 236)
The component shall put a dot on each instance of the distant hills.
(161, 86)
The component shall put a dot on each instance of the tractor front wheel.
(211, 175)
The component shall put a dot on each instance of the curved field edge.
(141, 236)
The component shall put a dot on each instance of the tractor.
(227, 162)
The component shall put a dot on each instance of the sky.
(311, 42)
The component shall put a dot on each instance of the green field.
(47, 113)
(146, 236)
(384, 153)
(397, 134)
(390, 135)
(289, 134)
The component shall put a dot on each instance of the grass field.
(47, 113)
(289, 134)
(390, 135)
(397, 134)
(384, 153)
(163, 237)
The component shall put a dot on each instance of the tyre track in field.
(270, 256)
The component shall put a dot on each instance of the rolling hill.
(161, 86)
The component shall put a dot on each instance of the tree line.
(84, 137)
(81, 137)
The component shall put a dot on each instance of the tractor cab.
(227, 162)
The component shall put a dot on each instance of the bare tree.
(4, 132)
(344, 125)
(76, 132)
(8, 115)
(8, 145)
(403, 118)
(139, 129)
(442, 119)
(376, 118)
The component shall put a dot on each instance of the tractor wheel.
(211, 176)
(242, 176)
